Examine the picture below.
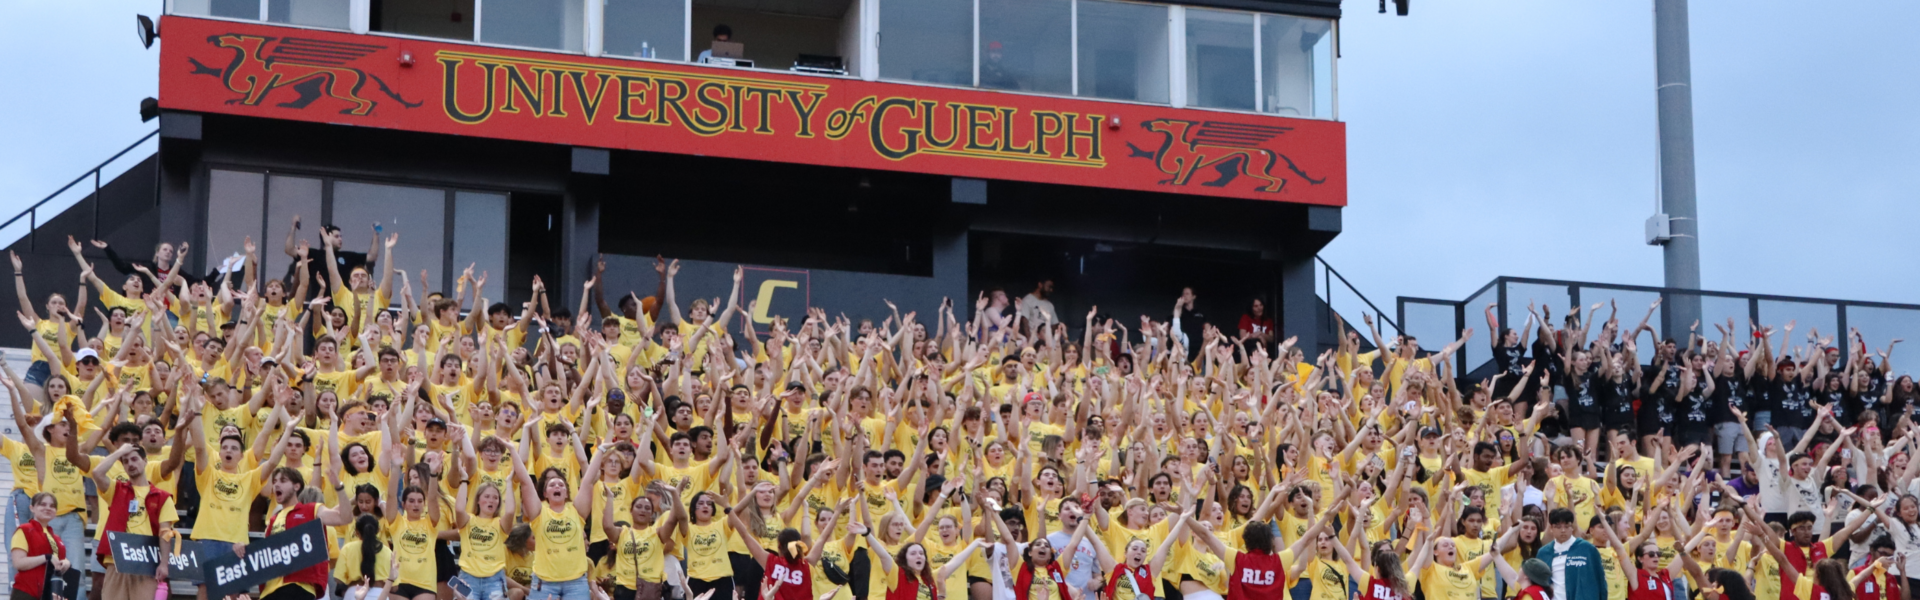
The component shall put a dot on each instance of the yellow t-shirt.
(346, 566)
(49, 331)
(1329, 578)
(67, 481)
(225, 501)
(1201, 565)
(694, 478)
(412, 540)
(638, 555)
(560, 544)
(706, 550)
(483, 549)
(25, 467)
(1442, 582)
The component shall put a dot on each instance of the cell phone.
(460, 587)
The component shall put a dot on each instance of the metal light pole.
(1673, 70)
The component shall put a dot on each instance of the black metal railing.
(1327, 295)
(1438, 321)
(32, 213)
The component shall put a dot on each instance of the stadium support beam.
(1674, 74)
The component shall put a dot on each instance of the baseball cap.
(86, 353)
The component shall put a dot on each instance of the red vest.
(796, 579)
(40, 542)
(1803, 561)
(1875, 587)
(1023, 582)
(908, 587)
(298, 515)
(1379, 589)
(1132, 579)
(1650, 585)
(117, 514)
(1258, 575)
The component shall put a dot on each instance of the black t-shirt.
(1511, 360)
(1581, 395)
(1693, 407)
(1795, 404)
(1729, 393)
(1616, 397)
(1549, 360)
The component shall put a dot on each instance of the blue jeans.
(483, 588)
(72, 529)
(17, 511)
(559, 590)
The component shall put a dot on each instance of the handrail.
(1356, 291)
(33, 212)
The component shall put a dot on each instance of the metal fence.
(1435, 322)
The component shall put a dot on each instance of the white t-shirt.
(1037, 310)
(1001, 564)
(1771, 499)
(1080, 567)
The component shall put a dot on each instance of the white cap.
(85, 353)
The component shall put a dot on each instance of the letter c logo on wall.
(771, 300)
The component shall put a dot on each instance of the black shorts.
(1584, 419)
(973, 580)
(1690, 435)
(290, 592)
(445, 564)
(406, 591)
(746, 575)
(622, 593)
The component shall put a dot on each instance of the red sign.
(462, 89)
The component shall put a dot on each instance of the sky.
(1484, 138)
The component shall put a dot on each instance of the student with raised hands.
(560, 565)
(636, 557)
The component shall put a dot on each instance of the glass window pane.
(1021, 46)
(417, 214)
(1431, 325)
(1478, 351)
(647, 28)
(1806, 318)
(1296, 62)
(1220, 59)
(927, 40)
(232, 9)
(1632, 307)
(286, 197)
(1552, 298)
(1123, 51)
(1717, 309)
(552, 24)
(311, 13)
(480, 239)
(233, 214)
(1882, 325)
(450, 19)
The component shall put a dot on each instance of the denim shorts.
(38, 372)
(559, 590)
(481, 588)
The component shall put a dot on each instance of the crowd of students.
(677, 450)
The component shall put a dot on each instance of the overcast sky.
(1485, 138)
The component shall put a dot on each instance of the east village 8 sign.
(376, 81)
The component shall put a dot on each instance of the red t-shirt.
(796, 580)
(1534, 592)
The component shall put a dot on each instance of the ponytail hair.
(368, 529)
